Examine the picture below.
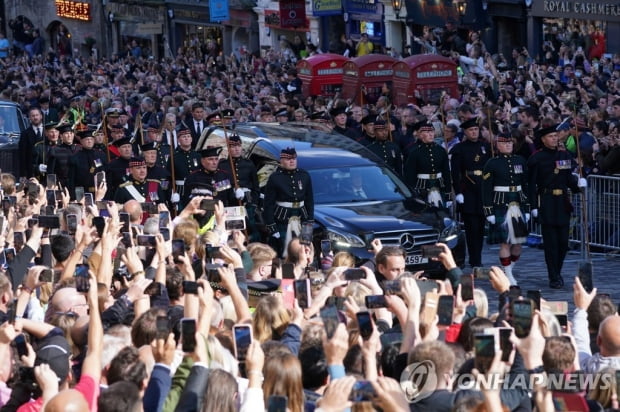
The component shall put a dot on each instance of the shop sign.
(73, 10)
(218, 10)
(378, 73)
(124, 11)
(577, 9)
(360, 6)
(433, 74)
(326, 7)
(292, 13)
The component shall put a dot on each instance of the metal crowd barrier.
(603, 210)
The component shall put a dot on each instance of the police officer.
(41, 151)
(388, 151)
(153, 170)
(209, 180)
(246, 187)
(428, 169)
(117, 171)
(289, 200)
(468, 160)
(139, 187)
(550, 177)
(85, 164)
(58, 162)
(504, 198)
(186, 161)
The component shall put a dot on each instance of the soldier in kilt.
(504, 188)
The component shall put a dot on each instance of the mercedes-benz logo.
(407, 241)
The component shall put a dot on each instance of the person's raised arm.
(91, 366)
(229, 281)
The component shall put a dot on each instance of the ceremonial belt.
(291, 205)
(135, 194)
(507, 188)
(554, 192)
(426, 176)
(180, 182)
(474, 172)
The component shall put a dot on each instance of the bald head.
(609, 336)
(68, 400)
(67, 300)
(134, 208)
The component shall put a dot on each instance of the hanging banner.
(218, 10)
(292, 13)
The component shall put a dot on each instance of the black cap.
(288, 153)
(137, 162)
(55, 352)
(473, 122)
(337, 110)
(112, 114)
(149, 146)
(183, 131)
(234, 139)
(282, 112)
(540, 133)
(319, 116)
(90, 133)
(51, 125)
(368, 119)
(211, 151)
(214, 117)
(228, 112)
(503, 137)
(379, 124)
(121, 142)
(65, 127)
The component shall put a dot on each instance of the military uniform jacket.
(246, 174)
(467, 162)
(163, 155)
(217, 184)
(432, 160)
(293, 186)
(347, 131)
(82, 169)
(390, 153)
(161, 175)
(550, 176)
(117, 173)
(58, 161)
(504, 181)
(185, 163)
(41, 155)
(149, 190)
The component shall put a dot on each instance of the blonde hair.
(270, 318)
(358, 292)
(343, 259)
(481, 302)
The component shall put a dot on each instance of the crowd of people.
(122, 290)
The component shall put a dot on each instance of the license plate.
(415, 260)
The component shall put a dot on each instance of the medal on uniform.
(166, 157)
(91, 170)
(98, 163)
(477, 158)
(556, 171)
(300, 185)
(195, 163)
(518, 169)
(164, 184)
(393, 154)
(483, 150)
(154, 196)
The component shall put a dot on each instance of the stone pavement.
(531, 274)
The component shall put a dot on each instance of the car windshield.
(356, 184)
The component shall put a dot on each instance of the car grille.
(410, 240)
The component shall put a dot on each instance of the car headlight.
(449, 234)
(344, 239)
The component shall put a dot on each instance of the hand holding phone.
(242, 337)
(188, 334)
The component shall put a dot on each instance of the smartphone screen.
(426, 286)
(242, 335)
(484, 346)
(354, 274)
(585, 275)
(50, 196)
(431, 251)
(163, 327)
(504, 343)
(522, 312)
(302, 292)
(364, 322)
(391, 287)
(79, 193)
(51, 181)
(99, 223)
(563, 321)
(208, 205)
(72, 224)
(88, 199)
(481, 273)
(9, 255)
(82, 283)
(467, 287)
(362, 391)
(164, 219)
(445, 309)
(190, 287)
(20, 344)
(329, 315)
(18, 240)
(124, 219)
(165, 233)
(99, 178)
(146, 240)
(305, 238)
(188, 334)
(49, 221)
(178, 249)
(288, 271)
(375, 301)
(534, 295)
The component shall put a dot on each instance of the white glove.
(534, 212)
(448, 204)
(291, 88)
(582, 182)
(43, 168)
(276, 235)
(527, 216)
(174, 198)
(239, 193)
(491, 219)
(459, 198)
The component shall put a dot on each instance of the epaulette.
(125, 184)
(153, 180)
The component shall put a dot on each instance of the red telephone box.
(321, 75)
(429, 74)
(365, 76)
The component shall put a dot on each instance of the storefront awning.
(430, 13)
(143, 30)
